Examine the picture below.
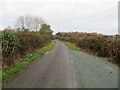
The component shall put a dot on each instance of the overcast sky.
(65, 15)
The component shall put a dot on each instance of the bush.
(10, 45)
(103, 47)
(18, 44)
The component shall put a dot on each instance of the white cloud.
(65, 15)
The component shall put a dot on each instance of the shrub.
(18, 44)
(103, 47)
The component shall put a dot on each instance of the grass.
(0, 76)
(71, 46)
(7, 75)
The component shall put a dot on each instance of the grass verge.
(25, 62)
(71, 46)
(0, 79)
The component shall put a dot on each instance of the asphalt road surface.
(64, 68)
(92, 71)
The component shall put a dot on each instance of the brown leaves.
(28, 43)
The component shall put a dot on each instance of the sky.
(99, 16)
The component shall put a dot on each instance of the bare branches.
(29, 22)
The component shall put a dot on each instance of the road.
(50, 71)
(92, 71)
(65, 68)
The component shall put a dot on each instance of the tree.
(58, 33)
(9, 28)
(20, 23)
(45, 30)
(29, 22)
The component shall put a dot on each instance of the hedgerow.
(17, 44)
(101, 45)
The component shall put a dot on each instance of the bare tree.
(21, 22)
(37, 22)
(32, 23)
(28, 20)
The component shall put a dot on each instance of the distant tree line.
(78, 34)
